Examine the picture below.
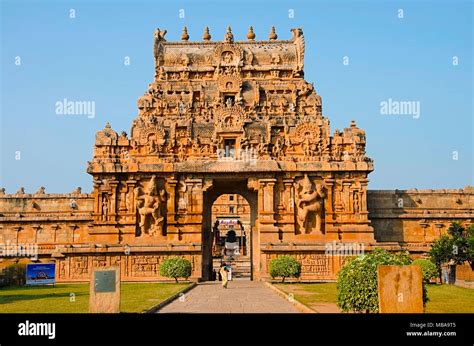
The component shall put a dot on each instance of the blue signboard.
(40, 273)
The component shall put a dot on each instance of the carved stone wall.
(133, 267)
(417, 217)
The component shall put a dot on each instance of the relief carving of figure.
(150, 208)
(181, 151)
(278, 148)
(105, 207)
(152, 148)
(309, 149)
(182, 205)
(310, 202)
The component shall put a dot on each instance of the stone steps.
(241, 267)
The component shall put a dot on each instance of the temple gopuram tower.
(230, 117)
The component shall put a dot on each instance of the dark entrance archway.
(220, 187)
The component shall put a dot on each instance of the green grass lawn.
(320, 292)
(443, 298)
(449, 298)
(74, 298)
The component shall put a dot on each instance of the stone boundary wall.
(411, 219)
(418, 217)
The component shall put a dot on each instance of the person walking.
(223, 273)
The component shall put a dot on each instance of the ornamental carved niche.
(228, 54)
(153, 133)
(229, 83)
(230, 118)
(307, 131)
(309, 206)
(151, 213)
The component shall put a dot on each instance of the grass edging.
(167, 301)
(298, 305)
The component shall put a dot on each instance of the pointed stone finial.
(251, 34)
(184, 34)
(229, 37)
(353, 124)
(206, 36)
(273, 35)
(107, 126)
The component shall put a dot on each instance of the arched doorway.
(228, 225)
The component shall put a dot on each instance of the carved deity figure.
(152, 148)
(308, 148)
(182, 205)
(278, 148)
(105, 207)
(150, 207)
(244, 142)
(227, 57)
(310, 201)
(181, 151)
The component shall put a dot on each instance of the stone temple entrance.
(226, 117)
(229, 117)
(217, 246)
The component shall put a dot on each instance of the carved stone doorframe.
(222, 185)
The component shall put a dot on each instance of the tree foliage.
(456, 246)
(14, 274)
(285, 267)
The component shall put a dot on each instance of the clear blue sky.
(409, 59)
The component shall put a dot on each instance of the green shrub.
(357, 280)
(14, 274)
(428, 269)
(176, 267)
(285, 267)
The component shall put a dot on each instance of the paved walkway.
(240, 297)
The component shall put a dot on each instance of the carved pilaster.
(97, 199)
(171, 201)
(131, 203)
(266, 201)
(363, 199)
(329, 183)
(113, 200)
(289, 195)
